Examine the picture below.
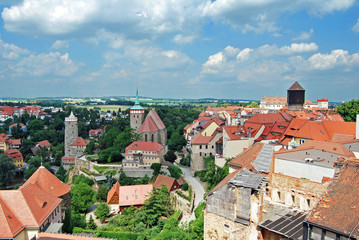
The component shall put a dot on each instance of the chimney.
(357, 128)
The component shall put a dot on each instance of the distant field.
(105, 108)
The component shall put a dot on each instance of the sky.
(227, 49)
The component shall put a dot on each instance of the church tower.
(71, 133)
(137, 113)
(296, 97)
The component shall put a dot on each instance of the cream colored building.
(143, 154)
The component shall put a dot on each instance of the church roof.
(296, 86)
(47, 182)
(152, 122)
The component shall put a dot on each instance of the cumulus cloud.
(355, 28)
(260, 16)
(60, 44)
(10, 51)
(336, 58)
(43, 64)
(272, 63)
(152, 19)
(304, 35)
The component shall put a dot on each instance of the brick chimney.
(357, 128)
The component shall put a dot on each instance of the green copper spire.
(137, 102)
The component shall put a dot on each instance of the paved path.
(197, 186)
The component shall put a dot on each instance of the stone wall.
(295, 192)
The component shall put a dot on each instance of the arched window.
(145, 137)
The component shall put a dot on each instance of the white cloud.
(184, 39)
(336, 58)
(152, 19)
(304, 35)
(10, 51)
(43, 64)
(60, 44)
(272, 63)
(355, 28)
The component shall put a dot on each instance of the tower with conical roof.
(295, 97)
(137, 113)
(71, 133)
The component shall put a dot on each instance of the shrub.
(185, 186)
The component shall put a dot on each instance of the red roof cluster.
(4, 138)
(44, 143)
(152, 123)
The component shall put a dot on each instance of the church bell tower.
(137, 113)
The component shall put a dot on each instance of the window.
(200, 154)
(200, 146)
(278, 194)
(206, 146)
(308, 202)
(226, 227)
(293, 199)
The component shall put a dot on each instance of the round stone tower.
(295, 97)
(137, 114)
(71, 133)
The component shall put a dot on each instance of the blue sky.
(242, 49)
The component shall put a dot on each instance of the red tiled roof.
(27, 207)
(68, 160)
(17, 125)
(80, 142)
(245, 159)
(165, 180)
(145, 146)
(15, 141)
(4, 138)
(47, 182)
(338, 208)
(342, 138)
(95, 131)
(113, 193)
(152, 122)
(269, 118)
(44, 143)
(200, 139)
(134, 194)
(54, 236)
(14, 154)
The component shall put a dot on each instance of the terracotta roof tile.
(80, 142)
(296, 86)
(165, 180)
(14, 154)
(338, 208)
(134, 194)
(47, 182)
(149, 125)
(44, 143)
(199, 139)
(245, 159)
(113, 193)
(145, 146)
(15, 141)
(269, 118)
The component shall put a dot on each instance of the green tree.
(185, 186)
(156, 168)
(81, 197)
(90, 148)
(125, 138)
(67, 227)
(76, 179)
(254, 105)
(91, 224)
(349, 110)
(61, 173)
(7, 169)
(176, 142)
(36, 125)
(102, 211)
(175, 172)
(102, 193)
(170, 156)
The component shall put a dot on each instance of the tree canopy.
(7, 169)
(349, 110)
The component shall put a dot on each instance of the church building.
(151, 128)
